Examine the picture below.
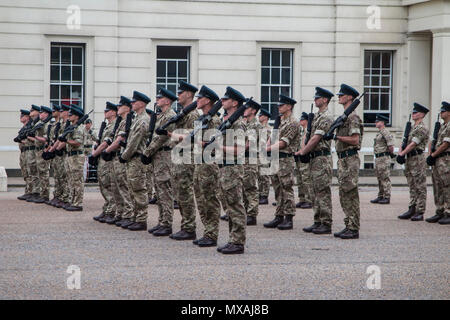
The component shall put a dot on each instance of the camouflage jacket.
(444, 136)
(289, 132)
(419, 135)
(78, 136)
(383, 140)
(352, 125)
(42, 132)
(138, 135)
(160, 141)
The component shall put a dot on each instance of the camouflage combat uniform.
(89, 138)
(264, 179)
(415, 168)
(383, 140)
(250, 182)
(56, 163)
(43, 166)
(31, 168)
(442, 178)
(65, 169)
(75, 160)
(303, 175)
(348, 171)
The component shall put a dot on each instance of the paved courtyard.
(39, 243)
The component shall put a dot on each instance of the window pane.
(286, 76)
(264, 94)
(375, 81)
(376, 60)
(286, 91)
(171, 69)
(366, 102)
(386, 60)
(265, 74)
(386, 81)
(265, 58)
(65, 92)
(182, 69)
(172, 88)
(77, 56)
(65, 73)
(367, 81)
(274, 94)
(366, 59)
(54, 73)
(161, 69)
(374, 101)
(54, 92)
(172, 52)
(159, 86)
(275, 58)
(286, 58)
(275, 75)
(161, 80)
(54, 55)
(65, 55)
(76, 73)
(76, 92)
(384, 102)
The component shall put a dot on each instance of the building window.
(276, 76)
(378, 85)
(67, 74)
(172, 65)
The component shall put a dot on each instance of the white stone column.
(440, 82)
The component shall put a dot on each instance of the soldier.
(89, 137)
(31, 156)
(105, 168)
(135, 144)
(283, 179)
(303, 177)
(24, 146)
(43, 166)
(55, 163)
(441, 157)
(75, 158)
(348, 139)
(251, 194)
(183, 177)
(264, 179)
(383, 147)
(415, 166)
(317, 150)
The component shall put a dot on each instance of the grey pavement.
(39, 242)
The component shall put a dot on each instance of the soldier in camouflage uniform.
(55, 163)
(184, 173)
(415, 166)
(135, 145)
(105, 168)
(75, 159)
(320, 164)
(283, 179)
(159, 150)
(31, 156)
(302, 171)
(89, 137)
(348, 139)
(43, 166)
(383, 147)
(264, 179)
(441, 158)
(232, 174)
(251, 193)
(24, 146)
(150, 185)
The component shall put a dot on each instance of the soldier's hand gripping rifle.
(202, 122)
(229, 122)
(341, 119)
(46, 155)
(431, 161)
(93, 161)
(128, 122)
(401, 159)
(108, 156)
(176, 118)
(51, 154)
(306, 158)
(36, 126)
(25, 128)
(71, 128)
(151, 129)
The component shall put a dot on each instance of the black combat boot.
(206, 242)
(224, 217)
(350, 234)
(274, 223)
(233, 249)
(74, 208)
(152, 200)
(322, 229)
(287, 224)
(111, 220)
(153, 229)
(417, 217)
(306, 205)
(163, 231)
(311, 228)
(263, 200)
(40, 200)
(338, 234)
(24, 196)
(384, 201)
(183, 235)
(251, 221)
(32, 197)
(376, 200)
(126, 224)
(175, 205)
(408, 214)
(435, 218)
(299, 204)
(223, 247)
(137, 226)
(274, 204)
(101, 215)
(445, 220)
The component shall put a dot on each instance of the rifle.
(341, 119)
(93, 161)
(401, 159)
(176, 118)
(204, 119)
(276, 125)
(45, 153)
(437, 126)
(227, 124)
(60, 153)
(128, 122)
(71, 128)
(26, 127)
(151, 128)
(306, 158)
(107, 156)
(32, 130)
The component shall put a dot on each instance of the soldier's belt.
(443, 154)
(88, 145)
(40, 148)
(320, 153)
(283, 155)
(414, 153)
(28, 148)
(382, 154)
(165, 149)
(74, 153)
(347, 153)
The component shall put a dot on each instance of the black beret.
(347, 90)
(254, 105)
(46, 109)
(282, 99)
(207, 93)
(323, 93)
(304, 116)
(35, 107)
(185, 86)
(445, 106)
(110, 106)
(163, 92)
(88, 121)
(65, 107)
(232, 93)
(75, 110)
(380, 117)
(56, 107)
(124, 101)
(264, 112)
(24, 112)
(138, 96)
(420, 108)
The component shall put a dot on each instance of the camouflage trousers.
(30, 160)
(348, 173)
(443, 182)
(184, 193)
(263, 182)
(58, 176)
(283, 184)
(231, 179)
(138, 189)
(43, 170)
(437, 192)
(206, 182)
(66, 187)
(415, 172)
(251, 194)
(383, 173)
(150, 184)
(222, 199)
(303, 182)
(162, 174)
(75, 179)
(105, 182)
(24, 171)
(120, 190)
(321, 173)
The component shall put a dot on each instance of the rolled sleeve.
(319, 132)
(355, 131)
(416, 140)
